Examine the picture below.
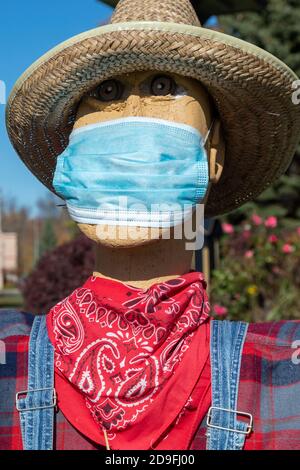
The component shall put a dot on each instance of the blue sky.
(29, 29)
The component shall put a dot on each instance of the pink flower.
(219, 310)
(276, 270)
(249, 254)
(246, 234)
(273, 239)
(271, 222)
(298, 230)
(287, 248)
(228, 228)
(256, 219)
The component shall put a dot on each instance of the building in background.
(8, 258)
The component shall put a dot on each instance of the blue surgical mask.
(133, 171)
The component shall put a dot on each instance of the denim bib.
(225, 431)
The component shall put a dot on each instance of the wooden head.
(158, 95)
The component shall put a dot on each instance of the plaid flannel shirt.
(269, 387)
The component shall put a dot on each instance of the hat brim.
(251, 89)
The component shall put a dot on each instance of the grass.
(11, 301)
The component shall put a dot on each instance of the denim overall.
(37, 405)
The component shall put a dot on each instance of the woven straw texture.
(173, 11)
(251, 89)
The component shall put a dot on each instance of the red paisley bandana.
(129, 360)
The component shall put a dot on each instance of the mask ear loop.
(204, 144)
(209, 131)
(215, 167)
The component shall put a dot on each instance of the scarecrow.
(134, 124)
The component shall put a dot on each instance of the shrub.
(57, 274)
(258, 278)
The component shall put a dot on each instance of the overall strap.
(225, 431)
(36, 405)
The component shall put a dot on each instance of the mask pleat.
(148, 163)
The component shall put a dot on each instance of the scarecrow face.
(147, 94)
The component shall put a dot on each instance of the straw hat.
(251, 89)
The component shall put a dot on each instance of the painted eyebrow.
(144, 82)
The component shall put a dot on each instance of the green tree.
(276, 29)
(48, 238)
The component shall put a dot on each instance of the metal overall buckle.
(241, 413)
(25, 392)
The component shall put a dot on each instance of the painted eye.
(162, 85)
(109, 90)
